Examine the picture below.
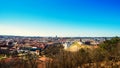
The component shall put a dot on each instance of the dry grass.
(76, 47)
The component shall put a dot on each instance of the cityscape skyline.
(78, 18)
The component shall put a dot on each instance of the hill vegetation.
(76, 47)
(107, 55)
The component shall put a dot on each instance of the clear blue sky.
(60, 17)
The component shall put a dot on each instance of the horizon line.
(56, 36)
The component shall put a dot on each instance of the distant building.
(87, 42)
(67, 44)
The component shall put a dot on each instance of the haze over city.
(60, 17)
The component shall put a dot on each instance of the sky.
(64, 18)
